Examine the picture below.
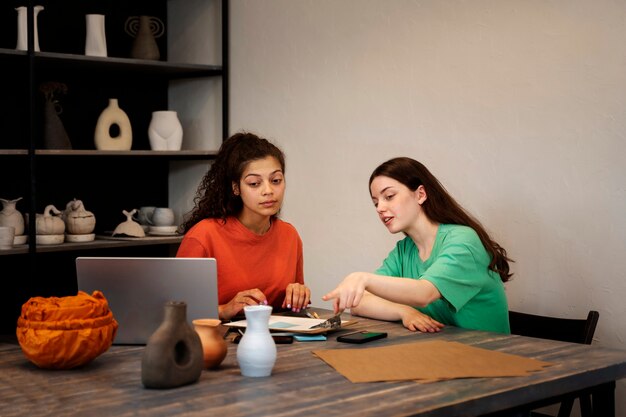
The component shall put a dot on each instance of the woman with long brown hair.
(447, 270)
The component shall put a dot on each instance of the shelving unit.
(190, 77)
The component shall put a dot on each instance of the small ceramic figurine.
(10, 216)
(129, 227)
(78, 221)
(50, 222)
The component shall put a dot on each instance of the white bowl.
(50, 239)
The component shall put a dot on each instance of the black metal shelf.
(53, 61)
(98, 243)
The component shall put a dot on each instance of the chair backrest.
(555, 328)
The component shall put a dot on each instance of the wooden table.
(304, 385)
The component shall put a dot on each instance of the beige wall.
(519, 107)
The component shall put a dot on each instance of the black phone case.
(361, 337)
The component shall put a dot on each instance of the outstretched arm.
(414, 292)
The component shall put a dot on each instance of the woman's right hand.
(417, 321)
(243, 298)
(349, 292)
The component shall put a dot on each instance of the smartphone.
(361, 337)
(279, 340)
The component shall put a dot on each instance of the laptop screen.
(138, 288)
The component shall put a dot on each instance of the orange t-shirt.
(246, 260)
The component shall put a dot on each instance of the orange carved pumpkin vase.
(65, 332)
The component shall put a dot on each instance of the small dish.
(80, 238)
(162, 230)
(20, 240)
(50, 239)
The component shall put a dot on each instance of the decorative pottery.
(50, 222)
(144, 29)
(10, 216)
(78, 221)
(95, 39)
(20, 240)
(163, 230)
(165, 131)
(214, 347)
(129, 227)
(22, 28)
(113, 115)
(173, 355)
(54, 133)
(163, 216)
(144, 215)
(50, 239)
(80, 238)
(7, 234)
(256, 352)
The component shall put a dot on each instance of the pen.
(312, 315)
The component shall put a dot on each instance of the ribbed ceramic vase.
(165, 131)
(214, 347)
(22, 28)
(256, 352)
(173, 355)
(113, 115)
(95, 39)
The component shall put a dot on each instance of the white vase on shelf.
(113, 115)
(22, 28)
(165, 131)
(95, 40)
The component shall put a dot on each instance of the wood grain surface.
(303, 385)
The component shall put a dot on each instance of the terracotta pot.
(214, 347)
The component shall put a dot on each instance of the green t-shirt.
(472, 296)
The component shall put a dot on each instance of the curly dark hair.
(441, 207)
(215, 197)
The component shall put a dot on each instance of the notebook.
(138, 288)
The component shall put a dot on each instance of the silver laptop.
(138, 288)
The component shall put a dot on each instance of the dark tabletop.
(301, 384)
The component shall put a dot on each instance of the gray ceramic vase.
(173, 355)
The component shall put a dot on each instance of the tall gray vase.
(54, 133)
(173, 355)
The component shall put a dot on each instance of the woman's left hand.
(297, 297)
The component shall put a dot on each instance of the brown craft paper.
(427, 362)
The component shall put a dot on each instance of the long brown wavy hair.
(215, 197)
(441, 207)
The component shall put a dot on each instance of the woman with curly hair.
(235, 220)
(447, 270)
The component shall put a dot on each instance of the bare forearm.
(378, 308)
(407, 291)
